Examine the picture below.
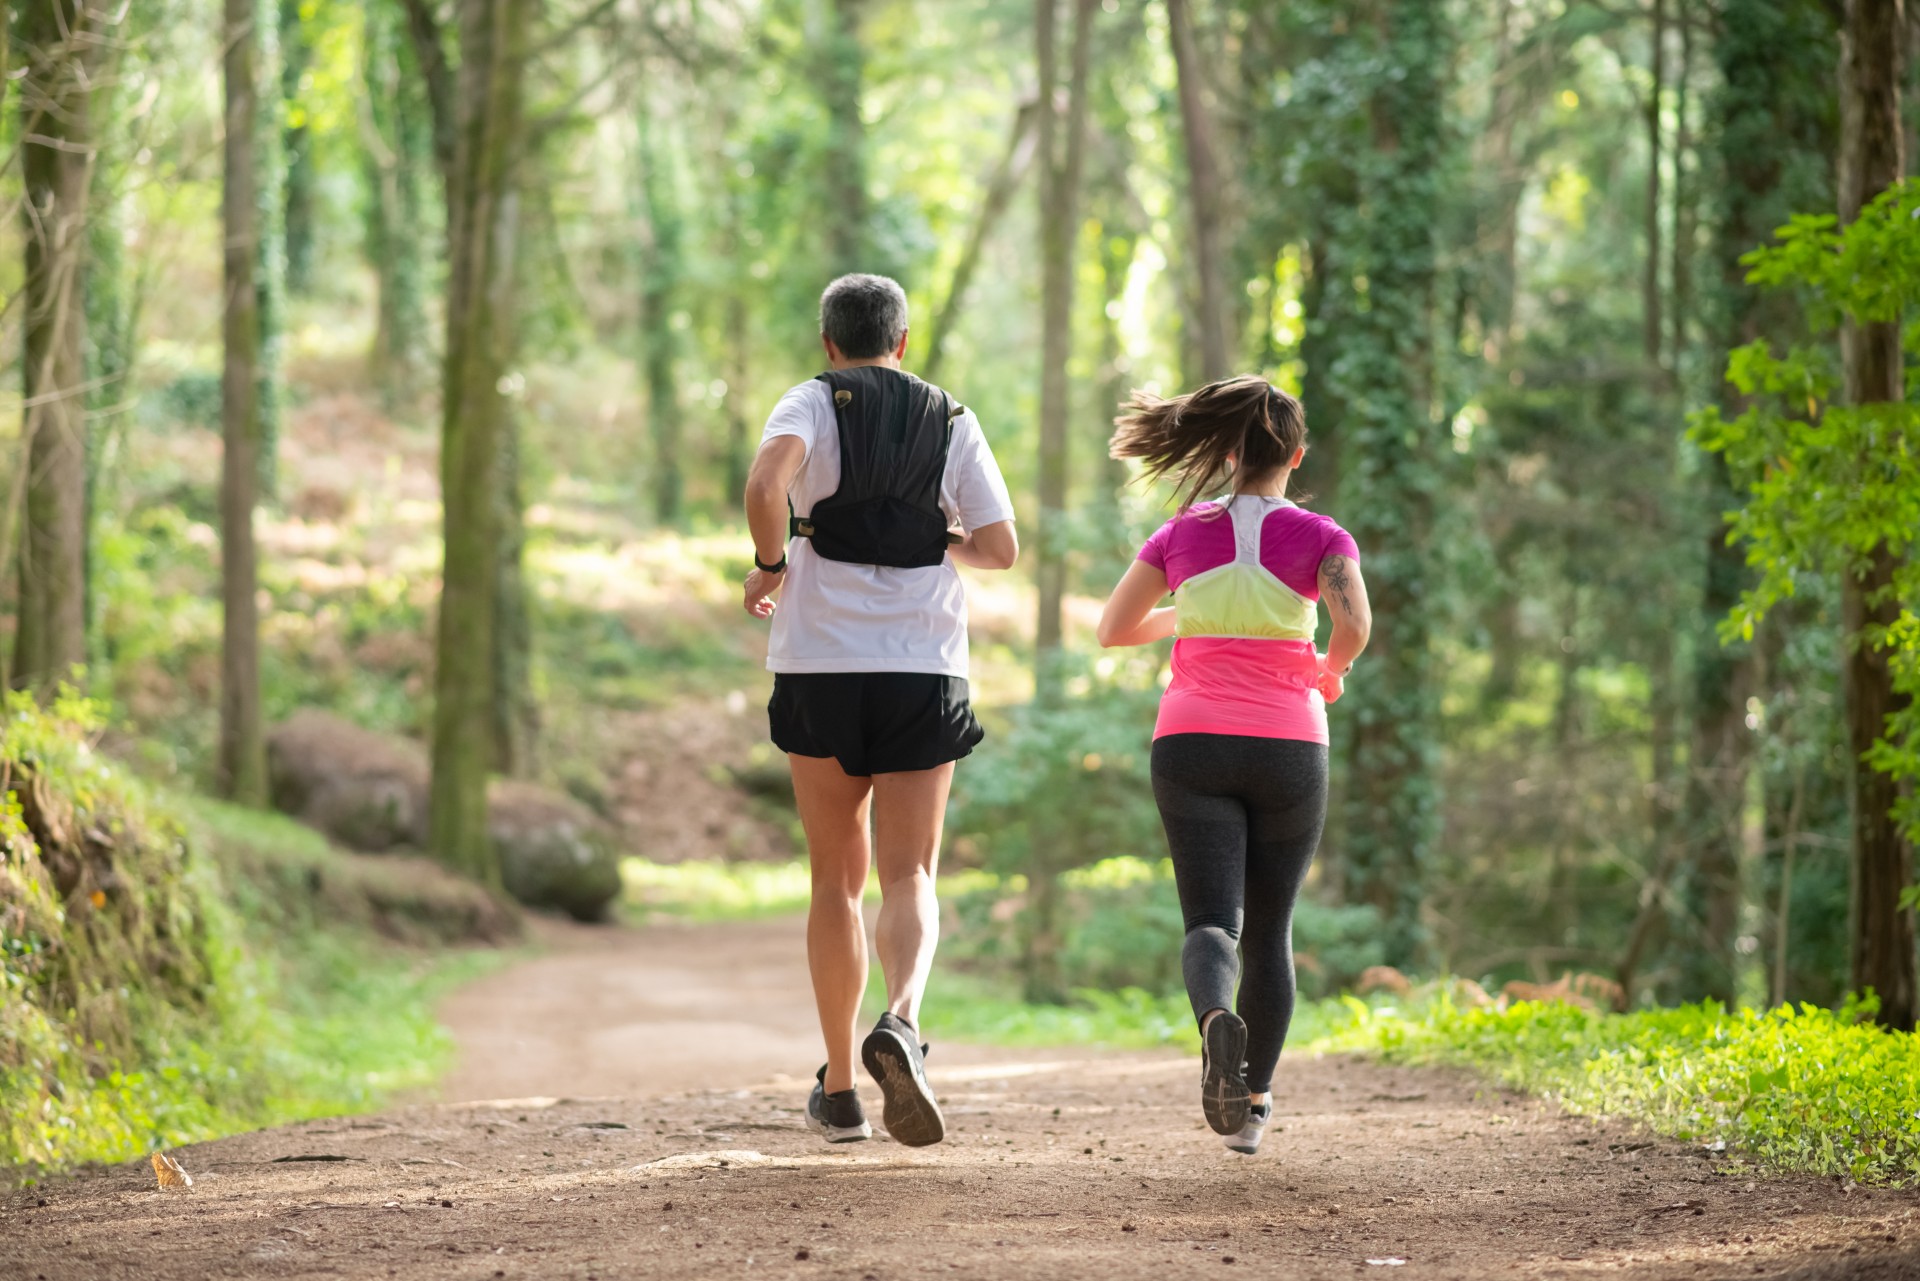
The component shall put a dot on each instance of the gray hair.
(864, 315)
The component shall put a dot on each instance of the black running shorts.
(873, 722)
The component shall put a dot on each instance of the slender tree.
(477, 389)
(398, 155)
(300, 187)
(1204, 194)
(242, 758)
(1874, 39)
(55, 41)
(1000, 188)
(661, 267)
(842, 75)
(1062, 160)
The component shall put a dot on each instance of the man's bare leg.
(909, 810)
(833, 810)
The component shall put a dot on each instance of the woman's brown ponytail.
(1191, 437)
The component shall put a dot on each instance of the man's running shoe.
(837, 1117)
(1223, 1084)
(895, 1056)
(1248, 1140)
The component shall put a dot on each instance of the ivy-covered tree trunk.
(296, 145)
(842, 74)
(1883, 937)
(242, 764)
(1206, 200)
(399, 160)
(111, 317)
(54, 41)
(1773, 130)
(476, 392)
(1393, 459)
(661, 268)
(1062, 160)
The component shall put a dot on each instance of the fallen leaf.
(170, 1172)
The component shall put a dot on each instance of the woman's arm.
(1345, 593)
(1130, 617)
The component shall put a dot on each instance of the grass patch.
(703, 890)
(1804, 1089)
(171, 973)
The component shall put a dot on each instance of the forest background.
(403, 359)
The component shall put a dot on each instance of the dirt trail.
(638, 1127)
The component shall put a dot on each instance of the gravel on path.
(696, 1164)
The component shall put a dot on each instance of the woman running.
(1240, 749)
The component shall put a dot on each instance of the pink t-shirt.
(1245, 686)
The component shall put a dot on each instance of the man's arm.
(993, 546)
(773, 470)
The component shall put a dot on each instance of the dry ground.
(665, 1142)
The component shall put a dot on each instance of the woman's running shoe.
(1248, 1140)
(895, 1056)
(837, 1117)
(1223, 1084)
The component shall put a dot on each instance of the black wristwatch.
(778, 567)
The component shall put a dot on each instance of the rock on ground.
(368, 791)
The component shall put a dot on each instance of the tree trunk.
(1394, 455)
(842, 74)
(476, 402)
(1000, 188)
(398, 155)
(270, 243)
(1683, 204)
(1061, 165)
(1883, 941)
(296, 143)
(660, 271)
(1205, 196)
(57, 150)
(242, 759)
(1650, 279)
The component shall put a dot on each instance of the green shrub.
(151, 995)
(1801, 1088)
(1124, 930)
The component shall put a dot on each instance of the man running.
(883, 483)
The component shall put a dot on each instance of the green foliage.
(151, 997)
(1125, 929)
(1809, 1089)
(1064, 786)
(1825, 483)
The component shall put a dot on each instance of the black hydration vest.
(894, 432)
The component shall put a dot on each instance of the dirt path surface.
(635, 1127)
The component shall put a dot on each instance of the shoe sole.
(839, 1133)
(1223, 1090)
(911, 1115)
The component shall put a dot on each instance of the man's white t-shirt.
(837, 617)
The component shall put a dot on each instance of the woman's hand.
(1330, 683)
(761, 588)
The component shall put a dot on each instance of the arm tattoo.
(1336, 581)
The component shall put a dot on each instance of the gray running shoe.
(895, 1056)
(1223, 1083)
(836, 1117)
(1248, 1140)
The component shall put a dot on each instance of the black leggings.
(1243, 818)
